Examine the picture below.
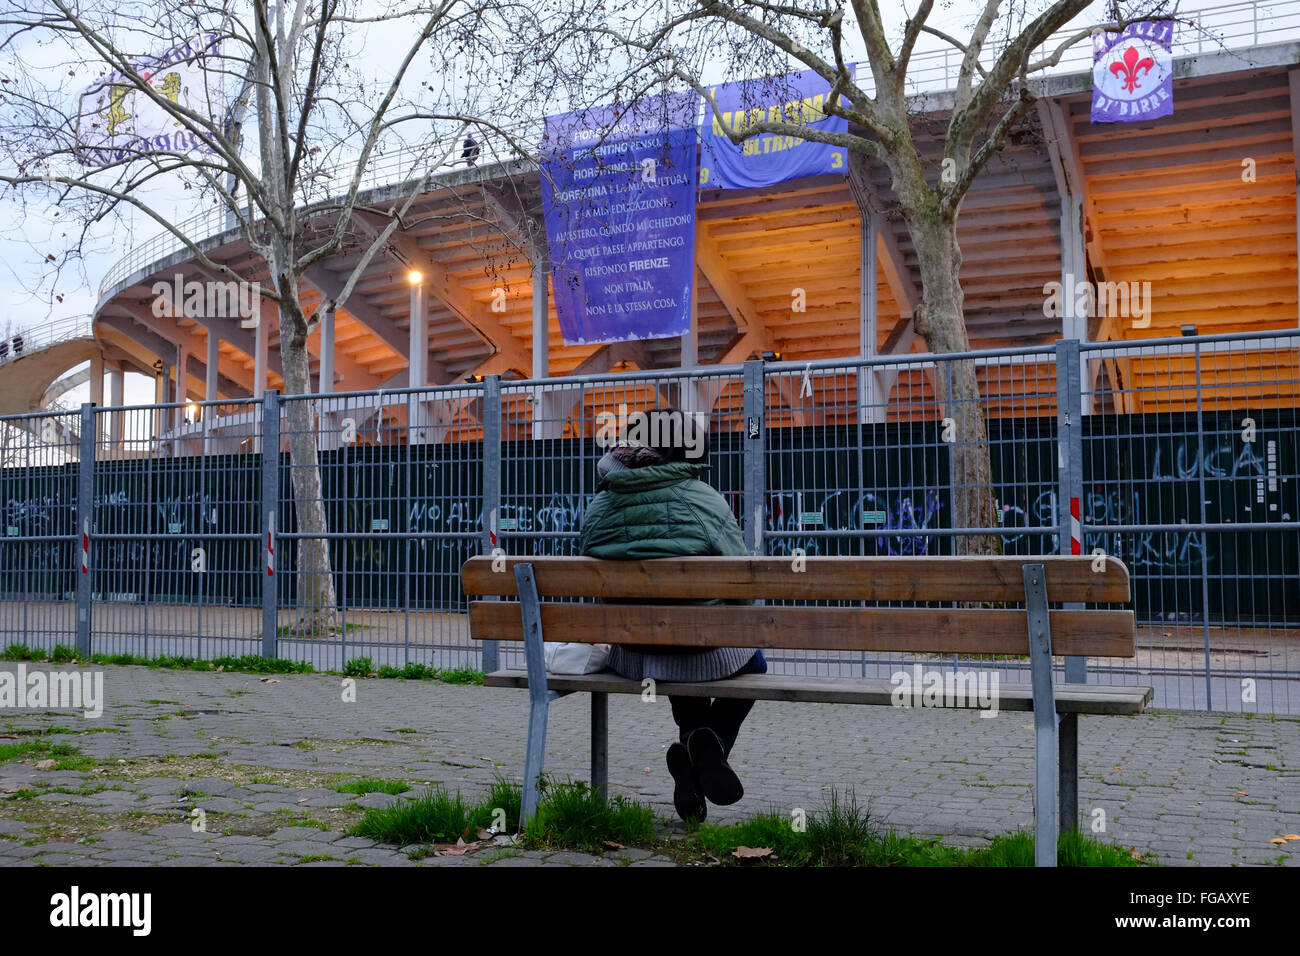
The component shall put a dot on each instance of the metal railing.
(27, 339)
(1181, 457)
(393, 166)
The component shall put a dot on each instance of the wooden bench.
(1030, 621)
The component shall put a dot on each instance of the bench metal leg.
(599, 743)
(1045, 756)
(1068, 742)
(539, 698)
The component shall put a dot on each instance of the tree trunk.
(940, 320)
(317, 605)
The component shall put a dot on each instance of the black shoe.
(687, 798)
(717, 780)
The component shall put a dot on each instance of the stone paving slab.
(210, 769)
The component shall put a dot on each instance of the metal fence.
(190, 530)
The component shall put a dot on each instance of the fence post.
(85, 508)
(1069, 457)
(491, 490)
(270, 504)
(755, 453)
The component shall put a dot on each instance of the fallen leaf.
(304, 799)
(458, 848)
(751, 852)
(221, 668)
(45, 765)
(612, 845)
(1132, 852)
(269, 680)
(1242, 793)
(1291, 836)
(485, 835)
(1277, 840)
(1119, 767)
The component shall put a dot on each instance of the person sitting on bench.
(651, 503)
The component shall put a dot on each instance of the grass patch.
(433, 817)
(844, 834)
(63, 654)
(411, 671)
(17, 652)
(359, 667)
(64, 756)
(372, 785)
(247, 664)
(461, 675)
(571, 814)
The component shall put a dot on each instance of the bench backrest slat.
(1086, 633)
(959, 579)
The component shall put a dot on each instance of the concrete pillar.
(870, 400)
(417, 361)
(1074, 272)
(541, 317)
(261, 343)
(97, 394)
(212, 368)
(161, 385)
(541, 339)
(327, 352)
(116, 382)
(181, 392)
(691, 340)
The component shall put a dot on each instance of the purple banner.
(1133, 73)
(618, 194)
(767, 158)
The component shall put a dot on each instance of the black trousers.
(722, 715)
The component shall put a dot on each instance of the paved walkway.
(260, 758)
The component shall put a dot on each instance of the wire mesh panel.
(176, 530)
(39, 561)
(1191, 478)
(372, 570)
(916, 456)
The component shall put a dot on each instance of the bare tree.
(758, 39)
(319, 102)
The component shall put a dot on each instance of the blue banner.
(618, 194)
(767, 158)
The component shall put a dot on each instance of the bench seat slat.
(1070, 698)
(1080, 633)
(1069, 578)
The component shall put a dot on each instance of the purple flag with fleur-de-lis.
(1133, 72)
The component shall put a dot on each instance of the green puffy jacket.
(661, 511)
(664, 511)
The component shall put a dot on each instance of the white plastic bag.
(574, 658)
